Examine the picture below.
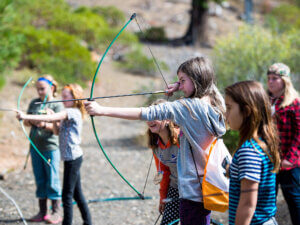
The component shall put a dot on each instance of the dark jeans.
(193, 213)
(290, 186)
(72, 188)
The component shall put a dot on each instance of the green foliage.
(136, 62)
(10, 50)
(294, 58)
(231, 140)
(247, 55)
(112, 15)
(38, 13)
(284, 18)
(2, 81)
(51, 37)
(285, 21)
(58, 53)
(86, 25)
(125, 39)
(153, 34)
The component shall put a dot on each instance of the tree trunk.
(196, 33)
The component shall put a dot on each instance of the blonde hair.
(290, 93)
(54, 83)
(200, 71)
(172, 129)
(77, 92)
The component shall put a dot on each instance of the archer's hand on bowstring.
(172, 88)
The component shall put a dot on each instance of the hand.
(20, 115)
(286, 164)
(172, 88)
(93, 108)
(161, 207)
(49, 111)
(41, 124)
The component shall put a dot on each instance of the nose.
(180, 86)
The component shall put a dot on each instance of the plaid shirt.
(288, 124)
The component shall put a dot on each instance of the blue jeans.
(72, 189)
(290, 186)
(46, 177)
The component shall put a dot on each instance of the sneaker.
(46, 217)
(54, 218)
(37, 218)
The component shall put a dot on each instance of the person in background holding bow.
(41, 133)
(68, 124)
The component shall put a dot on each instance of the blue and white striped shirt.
(253, 164)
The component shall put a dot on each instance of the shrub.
(112, 15)
(247, 55)
(136, 62)
(57, 38)
(153, 34)
(58, 53)
(85, 25)
(284, 18)
(38, 13)
(231, 139)
(10, 50)
(294, 59)
(88, 24)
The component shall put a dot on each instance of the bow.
(22, 124)
(140, 195)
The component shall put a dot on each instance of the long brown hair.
(257, 122)
(200, 71)
(77, 92)
(172, 129)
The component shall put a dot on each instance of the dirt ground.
(123, 140)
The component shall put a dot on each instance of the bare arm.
(94, 109)
(47, 118)
(247, 203)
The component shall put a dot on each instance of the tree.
(197, 30)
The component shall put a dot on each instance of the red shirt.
(288, 124)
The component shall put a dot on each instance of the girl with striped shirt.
(252, 171)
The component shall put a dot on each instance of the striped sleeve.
(249, 164)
